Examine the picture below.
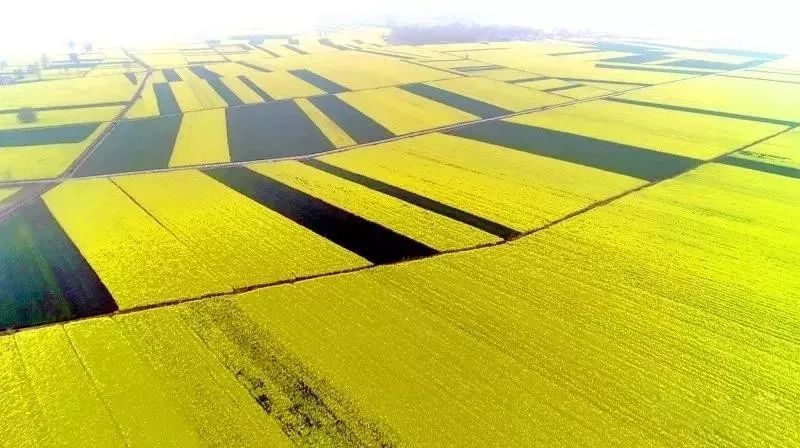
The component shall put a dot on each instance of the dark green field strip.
(224, 91)
(469, 105)
(557, 89)
(644, 68)
(254, 67)
(535, 78)
(271, 53)
(356, 124)
(131, 77)
(171, 75)
(712, 65)
(701, 111)
(624, 83)
(570, 53)
(73, 133)
(331, 44)
(369, 240)
(761, 166)
(604, 155)
(255, 88)
(415, 199)
(318, 81)
(269, 130)
(43, 277)
(70, 107)
(134, 145)
(295, 49)
(167, 104)
(725, 51)
(203, 72)
(477, 68)
(641, 58)
(622, 47)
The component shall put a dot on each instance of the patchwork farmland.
(335, 241)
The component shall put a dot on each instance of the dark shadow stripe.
(271, 53)
(376, 243)
(224, 91)
(171, 75)
(264, 95)
(295, 49)
(761, 166)
(701, 111)
(355, 123)
(274, 129)
(318, 81)
(415, 199)
(43, 277)
(556, 89)
(536, 78)
(331, 44)
(643, 68)
(255, 67)
(167, 104)
(614, 157)
(71, 107)
(131, 77)
(570, 53)
(625, 83)
(134, 145)
(466, 104)
(203, 71)
(477, 68)
(73, 133)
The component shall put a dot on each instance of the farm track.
(255, 287)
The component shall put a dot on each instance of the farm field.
(330, 240)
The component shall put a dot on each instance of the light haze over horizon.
(47, 25)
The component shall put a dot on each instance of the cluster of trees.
(43, 64)
(464, 32)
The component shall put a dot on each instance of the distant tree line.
(462, 32)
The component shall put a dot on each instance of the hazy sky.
(31, 25)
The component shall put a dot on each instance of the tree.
(44, 61)
(27, 115)
(74, 57)
(33, 69)
(87, 47)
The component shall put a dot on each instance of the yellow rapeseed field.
(402, 112)
(429, 228)
(337, 136)
(218, 224)
(67, 92)
(58, 117)
(138, 260)
(487, 180)
(676, 132)
(202, 139)
(42, 161)
(780, 150)
(753, 97)
(501, 94)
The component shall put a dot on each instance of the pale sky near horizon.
(33, 26)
